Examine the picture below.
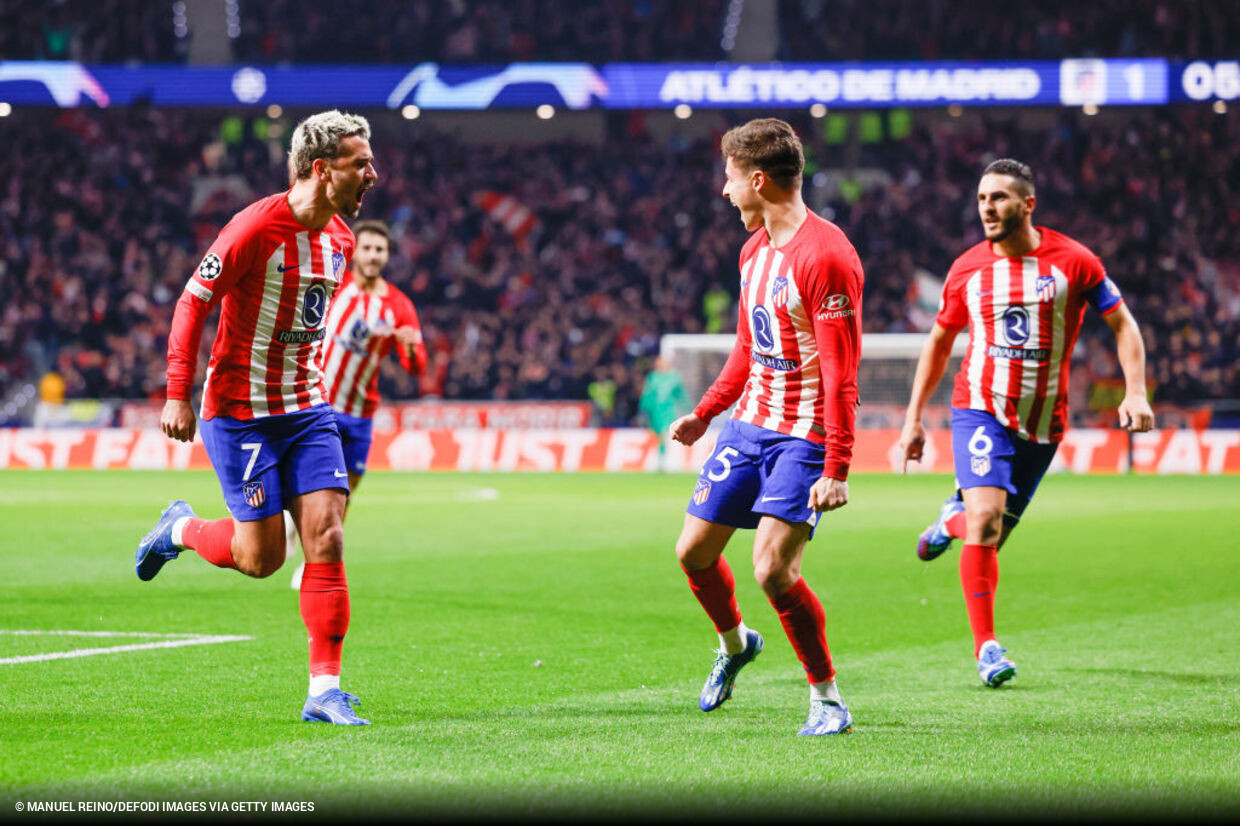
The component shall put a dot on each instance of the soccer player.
(367, 320)
(663, 399)
(783, 457)
(266, 425)
(1022, 292)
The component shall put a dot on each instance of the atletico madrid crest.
(254, 494)
(1046, 288)
(779, 291)
(337, 263)
(701, 492)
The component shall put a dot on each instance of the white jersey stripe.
(1000, 298)
(264, 332)
(754, 382)
(977, 341)
(1029, 376)
(1057, 345)
(779, 379)
(808, 358)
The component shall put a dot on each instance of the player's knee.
(258, 564)
(773, 576)
(985, 524)
(326, 544)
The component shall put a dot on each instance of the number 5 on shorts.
(723, 457)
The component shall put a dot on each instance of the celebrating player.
(367, 319)
(267, 428)
(1022, 291)
(783, 457)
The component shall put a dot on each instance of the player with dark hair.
(783, 457)
(266, 424)
(368, 319)
(1022, 292)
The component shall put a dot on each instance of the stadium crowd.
(491, 31)
(627, 240)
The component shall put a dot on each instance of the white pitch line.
(186, 639)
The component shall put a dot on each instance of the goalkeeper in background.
(663, 400)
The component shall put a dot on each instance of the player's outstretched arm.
(688, 429)
(178, 421)
(1135, 413)
(931, 365)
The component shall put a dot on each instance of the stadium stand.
(628, 241)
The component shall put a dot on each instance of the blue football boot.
(935, 539)
(826, 717)
(719, 683)
(332, 706)
(156, 547)
(994, 668)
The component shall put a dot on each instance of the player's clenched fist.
(688, 429)
(177, 421)
(828, 494)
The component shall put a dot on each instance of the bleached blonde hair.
(319, 136)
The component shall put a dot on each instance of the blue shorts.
(755, 472)
(355, 438)
(263, 462)
(990, 455)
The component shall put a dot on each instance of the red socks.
(805, 623)
(979, 577)
(715, 589)
(211, 540)
(325, 611)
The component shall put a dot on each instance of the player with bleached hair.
(266, 424)
(783, 458)
(1022, 291)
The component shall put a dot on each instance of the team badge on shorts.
(701, 492)
(210, 268)
(254, 494)
(980, 464)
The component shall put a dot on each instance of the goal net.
(884, 377)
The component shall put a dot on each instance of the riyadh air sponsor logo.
(774, 363)
(67, 83)
(1016, 325)
(835, 306)
(761, 321)
(300, 336)
(701, 492)
(576, 84)
(1025, 353)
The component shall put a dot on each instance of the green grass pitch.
(527, 646)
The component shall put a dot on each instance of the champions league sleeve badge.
(211, 267)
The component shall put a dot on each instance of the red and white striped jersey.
(1024, 315)
(798, 341)
(274, 280)
(359, 336)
